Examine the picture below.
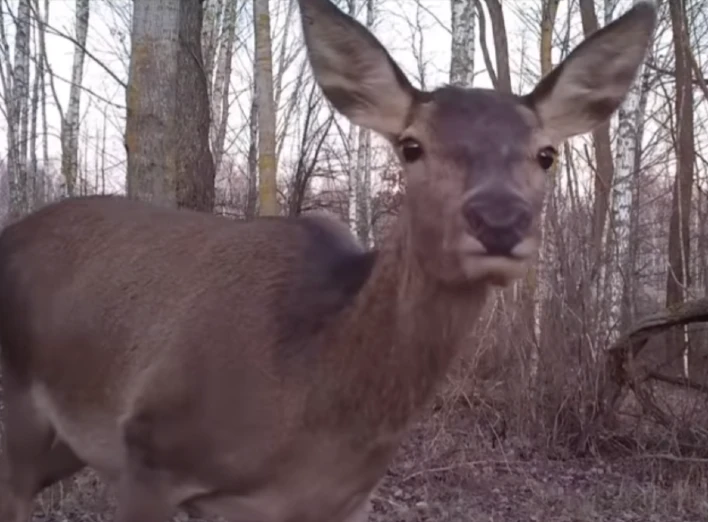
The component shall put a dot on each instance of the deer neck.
(399, 338)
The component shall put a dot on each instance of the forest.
(582, 392)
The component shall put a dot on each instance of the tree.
(679, 225)
(263, 64)
(463, 42)
(15, 76)
(537, 293)
(70, 120)
(627, 160)
(353, 171)
(220, 92)
(603, 150)
(501, 45)
(167, 127)
(363, 198)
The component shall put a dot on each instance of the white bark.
(15, 80)
(418, 47)
(268, 200)
(610, 7)
(34, 114)
(220, 93)
(283, 56)
(352, 160)
(70, 124)
(211, 23)
(45, 125)
(363, 217)
(628, 146)
(463, 42)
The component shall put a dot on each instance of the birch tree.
(537, 290)
(263, 63)
(627, 158)
(212, 13)
(167, 126)
(15, 77)
(70, 120)
(353, 171)
(463, 45)
(222, 79)
(363, 217)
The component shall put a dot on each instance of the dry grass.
(446, 472)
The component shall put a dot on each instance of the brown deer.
(266, 371)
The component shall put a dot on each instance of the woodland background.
(583, 392)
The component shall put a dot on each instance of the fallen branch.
(637, 336)
(620, 374)
(678, 381)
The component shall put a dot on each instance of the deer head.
(476, 161)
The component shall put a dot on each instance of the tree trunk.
(679, 239)
(267, 190)
(463, 42)
(627, 163)
(220, 95)
(70, 122)
(501, 46)
(353, 171)
(536, 282)
(18, 109)
(167, 128)
(363, 217)
(252, 195)
(603, 152)
(211, 23)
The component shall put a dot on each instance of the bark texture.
(167, 128)
(267, 188)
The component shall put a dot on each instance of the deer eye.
(411, 150)
(547, 157)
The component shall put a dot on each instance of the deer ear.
(590, 84)
(354, 71)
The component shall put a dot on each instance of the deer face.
(476, 161)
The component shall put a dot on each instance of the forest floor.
(443, 475)
(447, 471)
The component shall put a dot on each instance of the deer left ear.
(591, 83)
(353, 69)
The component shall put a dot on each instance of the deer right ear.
(354, 71)
(585, 89)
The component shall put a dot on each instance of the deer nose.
(498, 222)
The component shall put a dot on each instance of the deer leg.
(142, 499)
(144, 487)
(33, 457)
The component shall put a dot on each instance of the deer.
(267, 370)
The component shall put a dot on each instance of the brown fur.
(266, 371)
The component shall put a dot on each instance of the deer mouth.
(499, 268)
(471, 247)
